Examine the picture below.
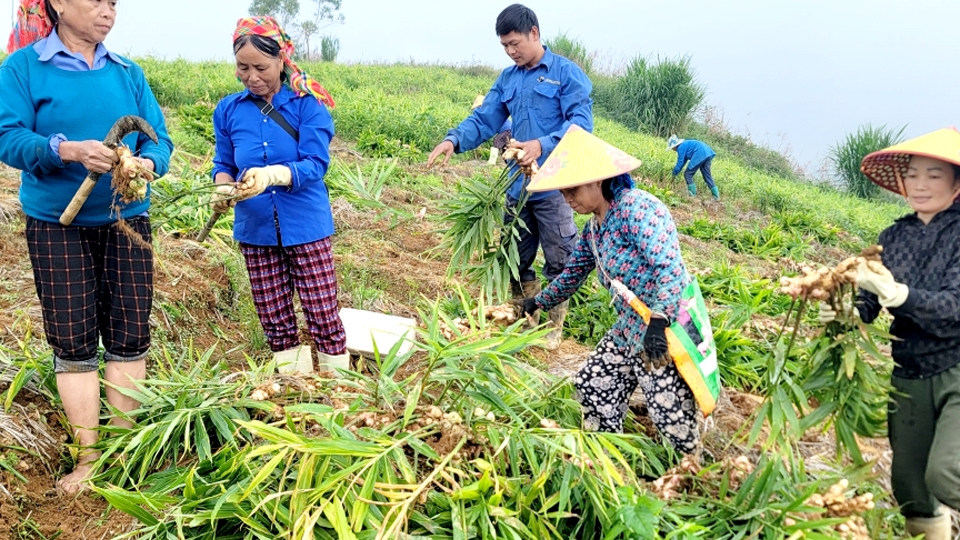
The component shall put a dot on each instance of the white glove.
(827, 314)
(257, 179)
(223, 199)
(874, 277)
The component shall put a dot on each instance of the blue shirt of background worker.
(247, 138)
(699, 156)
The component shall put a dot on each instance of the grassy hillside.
(367, 455)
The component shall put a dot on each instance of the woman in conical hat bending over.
(632, 242)
(919, 284)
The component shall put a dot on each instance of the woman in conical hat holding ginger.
(919, 284)
(631, 240)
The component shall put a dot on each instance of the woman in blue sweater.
(272, 152)
(631, 240)
(62, 92)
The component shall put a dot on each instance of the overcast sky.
(796, 75)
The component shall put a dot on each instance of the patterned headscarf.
(299, 81)
(33, 24)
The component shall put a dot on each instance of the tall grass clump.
(658, 98)
(572, 49)
(329, 48)
(848, 153)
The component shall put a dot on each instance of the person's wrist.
(68, 151)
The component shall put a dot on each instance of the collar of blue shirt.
(52, 47)
(279, 100)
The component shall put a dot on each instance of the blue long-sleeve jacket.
(543, 101)
(247, 138)
(695, 152)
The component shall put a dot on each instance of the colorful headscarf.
(33, 24)
(299, 81)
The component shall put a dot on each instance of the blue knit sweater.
(40, 100)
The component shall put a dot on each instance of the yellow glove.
(223, 199)
(257, 179)
(874, 277)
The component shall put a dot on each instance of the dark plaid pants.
(94, 284)
(275, 271)
(604, 385)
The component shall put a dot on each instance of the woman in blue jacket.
(62, 92)
(700, 157)
(272, 168)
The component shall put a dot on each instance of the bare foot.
(76, 481)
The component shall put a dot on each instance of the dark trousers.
(924, 425)
(94, 283)
(704, 169)
(550, 224)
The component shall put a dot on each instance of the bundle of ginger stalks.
(842, 373)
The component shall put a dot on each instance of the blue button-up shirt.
(543, 101)
(51, 49)
(247, 138)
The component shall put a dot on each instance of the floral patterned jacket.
(637, 244)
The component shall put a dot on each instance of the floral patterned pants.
(604, 385)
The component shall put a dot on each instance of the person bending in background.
(543, 94)
(62, 92)
(283, 220)
(919, 285)
(698, 157)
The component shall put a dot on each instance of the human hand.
(257, 179)
(827, 314)
(655, 353)
(445, 149)
(223, 199)
(873, 276)
(528, 306)
(95, 156)
(532, 150)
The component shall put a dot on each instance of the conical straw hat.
(887, 167)
(581, 158)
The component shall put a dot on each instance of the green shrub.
(572, 49)
(329, 48)
(848, 153)
(657, 98)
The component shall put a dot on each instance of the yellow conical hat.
(477, 102)
(580, 158)
(887, 167)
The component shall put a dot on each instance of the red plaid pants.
(275, 273)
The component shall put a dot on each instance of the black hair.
(51, 13)
(516, 18)
(267, 46)
(956, 171)
(606, 187)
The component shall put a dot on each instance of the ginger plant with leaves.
(483, 234)
(841, 376)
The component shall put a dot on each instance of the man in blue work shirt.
(544, 94)
(700, 157)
